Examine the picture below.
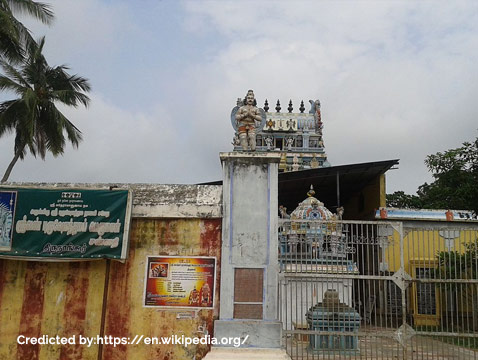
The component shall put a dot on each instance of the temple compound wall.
(106, 297)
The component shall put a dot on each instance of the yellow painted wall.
(65, 299)
(423, 245)
(51, 299)
(420, 249)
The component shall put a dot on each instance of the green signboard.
(64, 223)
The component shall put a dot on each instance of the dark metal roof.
(218, 182)
(293, 186)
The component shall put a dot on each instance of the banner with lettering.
(64, 223)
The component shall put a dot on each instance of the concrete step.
(246, 354)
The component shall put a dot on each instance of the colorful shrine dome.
(311, 209)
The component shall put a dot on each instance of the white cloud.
(395, 79)
(118, 146)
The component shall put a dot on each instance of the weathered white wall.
(159, 200)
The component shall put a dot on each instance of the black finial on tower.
(278, 106)
(266, 106)
(290, 108)
(302, 107)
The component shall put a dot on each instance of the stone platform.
(246, 354)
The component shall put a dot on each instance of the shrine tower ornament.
(297, 136)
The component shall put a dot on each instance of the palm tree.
(38, 124)
(13, 34)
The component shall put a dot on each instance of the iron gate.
(378, 290)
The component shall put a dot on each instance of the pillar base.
(261, 334)
(246, 354)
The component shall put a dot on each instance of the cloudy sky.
(396, 79)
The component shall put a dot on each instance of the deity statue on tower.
(247, 117)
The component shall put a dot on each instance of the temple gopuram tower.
(297, 136)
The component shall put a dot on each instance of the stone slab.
(260, 334)
(246, 354)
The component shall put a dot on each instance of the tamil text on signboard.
(64, 223)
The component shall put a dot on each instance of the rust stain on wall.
(210, 242)
(117, 313)
(11, 303)
(126, 315)
(75, 308)
(211, 235)
(3, 272)
(32, 310)
(167, 233)
(42, 298)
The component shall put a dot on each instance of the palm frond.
(53, 125)
(31, 100)
(73, 133)
(71, 98)
(12, 71)
(68, 89)
(10, 39)
(22, 34)
(21, 144)
(10, 85)
(76, 82)
(13, 79)
(79, 83)
(37, 10)
(10, 112)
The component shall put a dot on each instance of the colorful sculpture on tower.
(247, 117)
(297, 136)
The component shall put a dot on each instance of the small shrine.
(342, 321)
(314, 235)
(315, 243)
(296, 135)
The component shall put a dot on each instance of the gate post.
(249, 266)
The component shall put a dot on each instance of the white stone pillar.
(249, 241)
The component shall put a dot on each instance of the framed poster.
(176, 281)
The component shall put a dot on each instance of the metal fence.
(378, 290)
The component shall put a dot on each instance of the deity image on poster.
(175, 281)
(193, 297)
(7, 213)
(158, 270)
(205, 295)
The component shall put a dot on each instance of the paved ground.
(246, 354)
(380, 344)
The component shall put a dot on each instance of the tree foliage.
(38, 124)
(455, 184)
(401, 200)
(14, 36)
(459, 265)
(456, 178)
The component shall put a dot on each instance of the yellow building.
(433, 248)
